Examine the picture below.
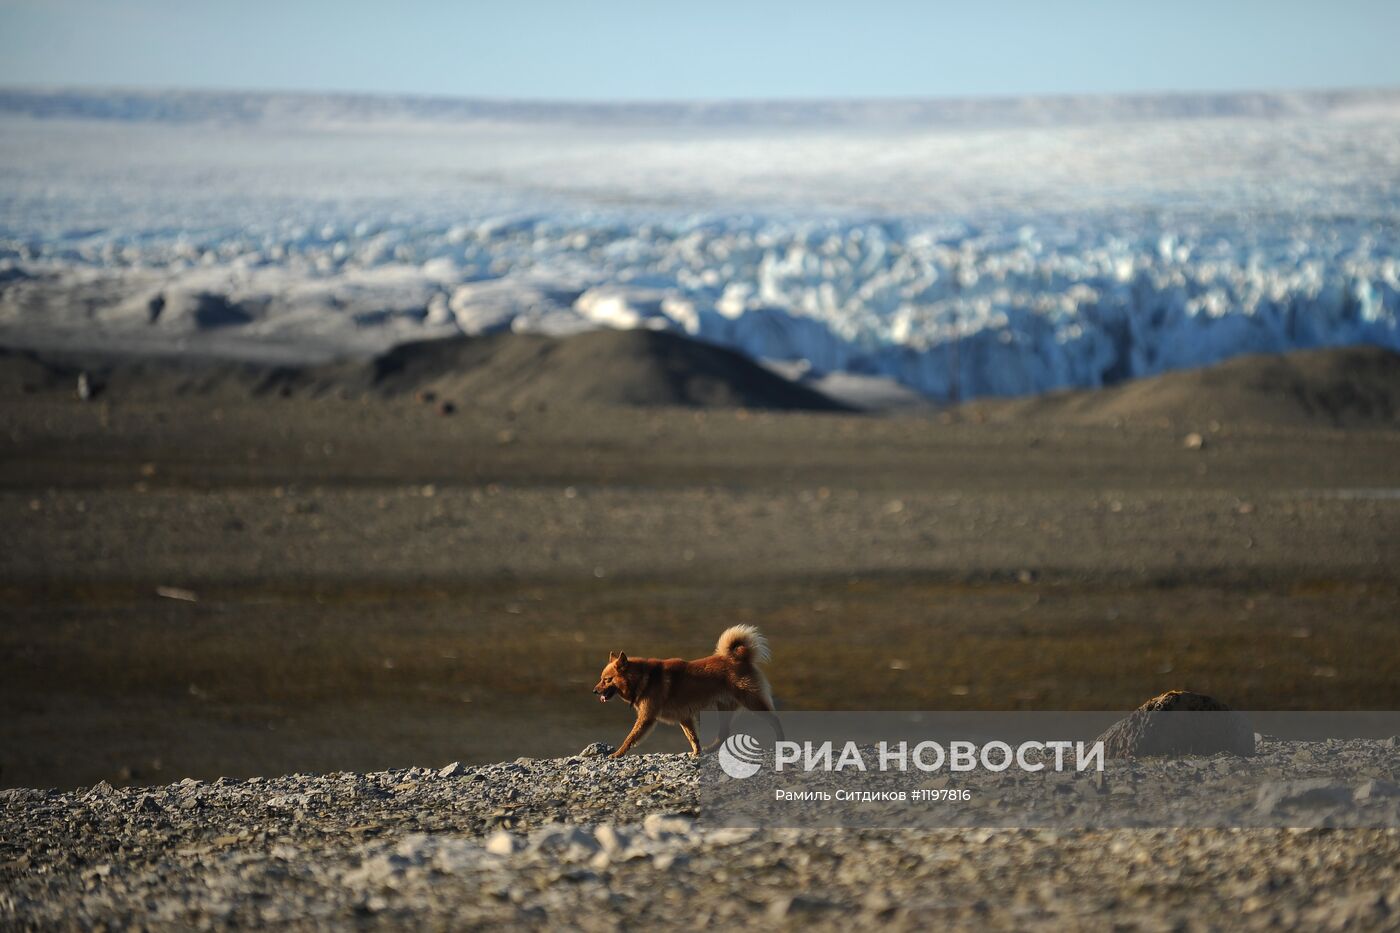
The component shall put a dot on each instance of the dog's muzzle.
(606, 694)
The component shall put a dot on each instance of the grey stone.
(1179, 723)
(610, 839)
(1285, 795)
(572, 842)
(503, 843)
(1374, 789)
(659, 826)
(596, 749)
(795, 904)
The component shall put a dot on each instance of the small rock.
(503, 843)
(1280, 795)
(610, 839)
(1375, 789)
(783, 907)
(596, 749)
(668, 860)
(453, 770)
(878, 902)
(1193, 441)
(730, 835)
(565, 843)
(659, 826)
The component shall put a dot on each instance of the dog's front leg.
(640, 728)
(691, 736)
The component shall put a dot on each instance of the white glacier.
(962, 252)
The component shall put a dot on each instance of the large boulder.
(1178, 724)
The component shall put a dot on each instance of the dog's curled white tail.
(746, 637)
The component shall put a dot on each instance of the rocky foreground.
(593, 843)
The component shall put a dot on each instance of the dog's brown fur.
(674, 690)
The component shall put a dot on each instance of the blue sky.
(702, 48)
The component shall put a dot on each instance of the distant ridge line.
(187, 106)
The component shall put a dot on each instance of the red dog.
(674, 690)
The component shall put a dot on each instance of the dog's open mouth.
(607, 694)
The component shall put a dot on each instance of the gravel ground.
(592, 843)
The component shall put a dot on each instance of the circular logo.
(740, 756)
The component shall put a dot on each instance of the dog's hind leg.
(691, 736)
(758, 702)
(640, 728)
(726, 709)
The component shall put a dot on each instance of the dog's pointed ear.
(612, 655)
(621, 658)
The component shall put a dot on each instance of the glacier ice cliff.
(1029, 249)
